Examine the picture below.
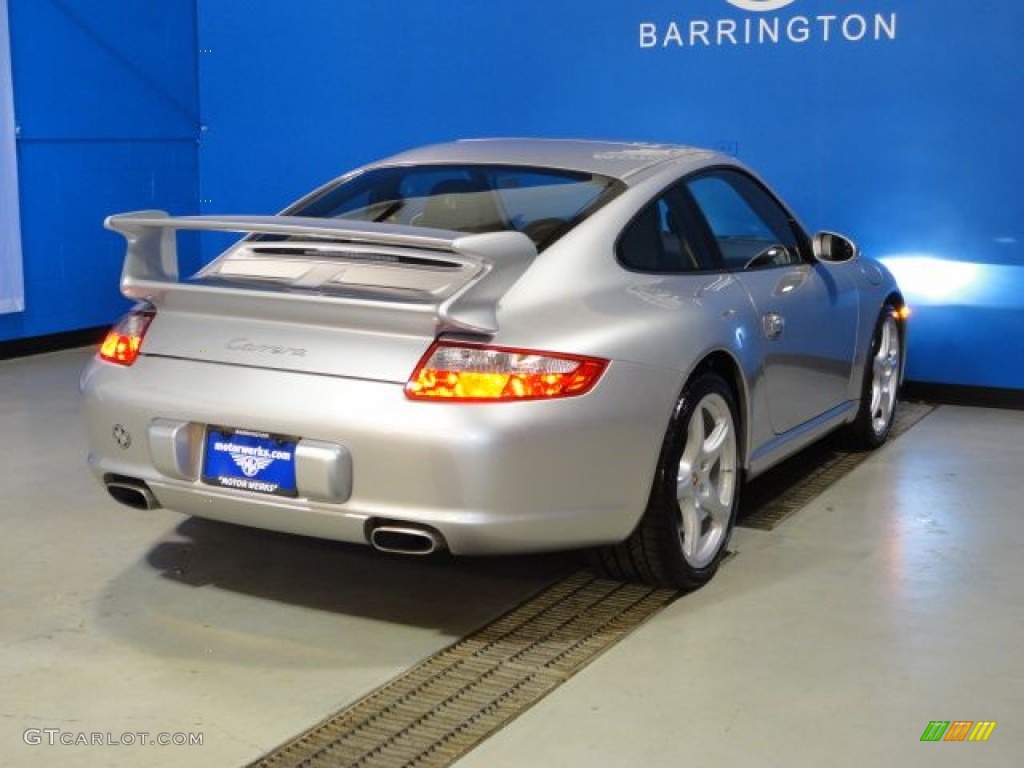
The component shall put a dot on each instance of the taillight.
(467, 372)
(124, 340)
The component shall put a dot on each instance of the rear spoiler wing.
(496, 260)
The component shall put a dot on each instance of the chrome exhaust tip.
(406, 539)
(132, 493)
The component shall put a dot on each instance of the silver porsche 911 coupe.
(495, 346)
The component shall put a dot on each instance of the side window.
(658, 240)
(751, 229)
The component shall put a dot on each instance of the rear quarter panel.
(578, 298)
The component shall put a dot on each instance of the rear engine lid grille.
(333, 270)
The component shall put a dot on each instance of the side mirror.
(829, 246)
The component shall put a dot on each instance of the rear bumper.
(491, 478)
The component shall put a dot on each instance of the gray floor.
(892, 600)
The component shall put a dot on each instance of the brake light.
(124, 341)
(466, 372)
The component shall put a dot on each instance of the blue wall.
(106, 104)
(901, 128)
(895, 121)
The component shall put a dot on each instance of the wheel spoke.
(883, 344)
(876, 400)
(690, 460)
(684, 485)
(716, 509)
(693, 522)
(695, 433)
(712, 446)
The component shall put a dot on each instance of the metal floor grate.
(776, 495)
(441, 708)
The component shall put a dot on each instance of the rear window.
(542, 203)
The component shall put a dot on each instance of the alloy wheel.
(706, 483)
(884, 376)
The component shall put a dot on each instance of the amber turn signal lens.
(124, 341)
(473, 373)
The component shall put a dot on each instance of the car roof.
(619, 160)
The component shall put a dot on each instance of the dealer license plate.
(249, 461)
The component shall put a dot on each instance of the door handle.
(773, 324)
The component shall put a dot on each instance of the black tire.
(880, 386)
(661, 551)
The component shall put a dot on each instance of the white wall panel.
(12, 288)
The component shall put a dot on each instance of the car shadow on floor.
(264, 598)
(439, 591)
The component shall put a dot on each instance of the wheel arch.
(895, 298)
